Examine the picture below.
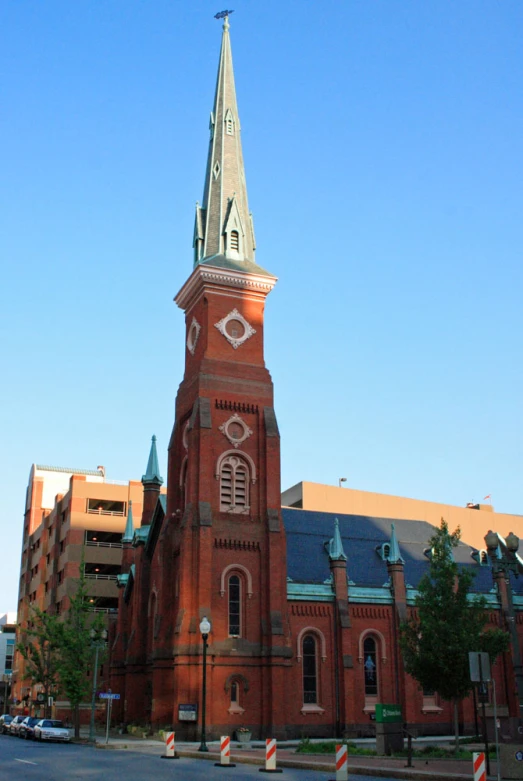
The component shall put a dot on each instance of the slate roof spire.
(129, 526)
(336, 552)
(223, 225)
(394, 556)
(152, 474)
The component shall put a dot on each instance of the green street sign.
(386, 714)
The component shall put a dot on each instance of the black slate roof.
(308, 561)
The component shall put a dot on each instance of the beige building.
(69, 514)
(474, 520)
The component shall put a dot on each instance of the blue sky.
(382, 142)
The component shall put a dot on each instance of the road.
(22, 760)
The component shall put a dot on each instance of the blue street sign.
(108, 696)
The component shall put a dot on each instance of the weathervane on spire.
(223, 14)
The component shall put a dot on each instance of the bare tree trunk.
(76, 711)
(456, 726)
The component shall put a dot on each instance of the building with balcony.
(70, 515)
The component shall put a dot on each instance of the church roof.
(231, 264)
(308, 560)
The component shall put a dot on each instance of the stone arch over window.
(311, 630)
(236, 686)
(241, 454)
(380, 643)
(231, 569)
(183, 481)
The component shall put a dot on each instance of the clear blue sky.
(382, 142)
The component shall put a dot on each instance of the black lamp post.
(503, 563)
(97, 641)
(205, 628)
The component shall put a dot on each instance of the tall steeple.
(223, 225)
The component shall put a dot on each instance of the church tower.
(222, 553)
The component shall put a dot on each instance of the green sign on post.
(387, 714)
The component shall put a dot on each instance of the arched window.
(234, 485)
(310, 672)
(235, 605)
(235, 241)
(370, 667)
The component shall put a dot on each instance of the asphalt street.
(22, 760)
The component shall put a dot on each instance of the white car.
(51, 729)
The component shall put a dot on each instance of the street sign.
(385, 714)
(108, 696)
(187, 712)
(479, 666)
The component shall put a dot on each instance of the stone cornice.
(209, 278)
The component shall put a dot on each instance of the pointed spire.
(129, 526)
(223, 223)
(152, 474)
(394, 556)
(336, 552)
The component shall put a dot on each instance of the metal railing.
(99, 576)
(104, 544)
(99, 511)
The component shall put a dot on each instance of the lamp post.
(97, 641)
(341, 480)
(503, 563)
(205, 628)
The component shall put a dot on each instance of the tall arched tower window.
(310, 670)
(370, 668)
(235, 605)
(234, 485)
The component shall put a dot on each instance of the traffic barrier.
(170, 752)
(342, 768)
(225, 752)
(270, 757)
(478, 761)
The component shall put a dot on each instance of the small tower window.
(229, 123)
(235, 241)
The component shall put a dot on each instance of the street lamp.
(205, 628)
(503, 563)
(341, 480)
(97, 641)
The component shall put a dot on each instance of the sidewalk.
(254, 753)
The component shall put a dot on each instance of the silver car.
(51, 729)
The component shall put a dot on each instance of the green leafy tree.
(448, 623)
(75, 651)
(40, 647)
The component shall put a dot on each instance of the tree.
(40, 648)
(448, 623)
(75, 654)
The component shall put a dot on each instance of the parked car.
(27, 727)
(51, 729)
(15, 725)
(5, 721)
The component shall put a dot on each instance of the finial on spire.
(129, 526)
(152, 474)
(225, 16)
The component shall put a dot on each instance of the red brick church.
(304, 607)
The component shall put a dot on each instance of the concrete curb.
(303, 764)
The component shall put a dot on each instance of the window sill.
(307, 709)
(235, 710)
(431, 709)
